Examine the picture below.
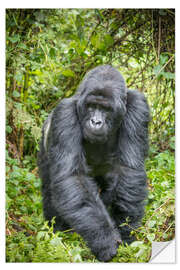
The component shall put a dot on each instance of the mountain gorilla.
(91, 161)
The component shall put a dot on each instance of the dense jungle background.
(48, 52)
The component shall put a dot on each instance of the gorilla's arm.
(133, 137)
(75, 195)
(131, 189)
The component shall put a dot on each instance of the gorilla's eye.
(107, 108)
(103, 106)
(92, 106)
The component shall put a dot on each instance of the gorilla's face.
(101, 116)
(98, 121)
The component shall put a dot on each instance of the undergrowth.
(30, 239)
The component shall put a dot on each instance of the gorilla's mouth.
(93, 135)
(97, 132)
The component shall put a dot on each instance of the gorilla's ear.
(133, 136)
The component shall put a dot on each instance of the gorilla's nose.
(95, 123)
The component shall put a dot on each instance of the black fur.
(92, 184)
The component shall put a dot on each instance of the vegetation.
(48, 51)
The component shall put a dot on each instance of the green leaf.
(151, 237)
(8, 129)
(16, 94)
(163, 59)
(172, 143)
(68, 93)
(151, 223)
(22, 46)
(108, 40)
(14, 39)
(162, 12)
(76, 254)
(136, 244)
(52, 52)
(94, 40)
(37, 72)
(56, 241)
(141, 251)
(168, 75)
(41, 235)
(68, 73)
(98, 14)
(157, 69)
(19, 77)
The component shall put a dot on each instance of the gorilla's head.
(101, 104)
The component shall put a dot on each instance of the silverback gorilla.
(91, 161)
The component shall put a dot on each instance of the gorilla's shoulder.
(65, 104)
(66, 101)
(135, 96)
(137, 101)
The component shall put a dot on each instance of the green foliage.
(161, 200)
(48, 52)
(46, 246)
(19, 181)
(30, 239)
(136, 252)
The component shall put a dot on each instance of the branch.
(118, 41)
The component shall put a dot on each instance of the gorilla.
(91, 161)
